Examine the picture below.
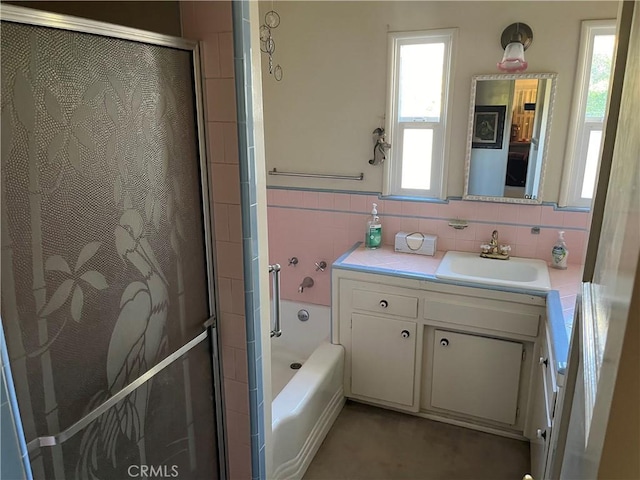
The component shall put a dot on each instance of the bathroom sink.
(524, 273)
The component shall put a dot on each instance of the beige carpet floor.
(373, 443)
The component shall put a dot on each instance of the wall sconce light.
(515, 39)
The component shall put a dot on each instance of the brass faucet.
(494, 250)
(494, 242)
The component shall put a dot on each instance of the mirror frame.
(467, 164)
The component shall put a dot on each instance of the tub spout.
(306, 283)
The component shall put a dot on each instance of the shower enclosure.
(107, 276)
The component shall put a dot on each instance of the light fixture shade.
(513, 58)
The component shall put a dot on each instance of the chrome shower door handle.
(275, 271)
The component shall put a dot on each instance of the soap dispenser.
(559, 253)
(373, 235)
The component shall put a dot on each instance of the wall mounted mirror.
(508, 136)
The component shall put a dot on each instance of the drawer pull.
(405, 334)
(444, 342)
(384, 303)
(541, 434)
(544, 361)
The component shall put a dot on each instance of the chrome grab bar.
(275, 270)
(317, 175)
(51, 440)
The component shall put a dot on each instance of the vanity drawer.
(483, 313)
(385, 303)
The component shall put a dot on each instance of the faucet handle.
(293, 261)
(321, 266)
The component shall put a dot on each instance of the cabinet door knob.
(541, 434)
(384, 303)
(544, 361)
(444, 342)
(405, 334)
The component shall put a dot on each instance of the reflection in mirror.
(509, 123)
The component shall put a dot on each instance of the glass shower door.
(106, 271)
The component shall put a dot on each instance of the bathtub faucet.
(306, 283)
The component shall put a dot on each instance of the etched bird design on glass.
(136, 344)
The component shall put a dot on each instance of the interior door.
(600, 434)
(106, 280)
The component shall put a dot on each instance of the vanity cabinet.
(458, 354)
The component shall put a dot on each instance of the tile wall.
(212, 24)
(252, 188)
(320, 225)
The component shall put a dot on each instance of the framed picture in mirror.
(488, 126)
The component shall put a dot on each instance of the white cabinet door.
(383, 353)
(541, 420)
(541, 429)
(476, 376)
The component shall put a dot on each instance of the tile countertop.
(561, 299)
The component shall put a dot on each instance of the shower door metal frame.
(28, 16)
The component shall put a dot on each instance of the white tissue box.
(416, 242)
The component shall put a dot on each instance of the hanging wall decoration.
(268, 44)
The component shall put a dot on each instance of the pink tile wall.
(211, 23)
(328, 224)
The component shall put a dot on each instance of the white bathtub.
(306, 401)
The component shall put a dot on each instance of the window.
(418, 104)
(589, 107)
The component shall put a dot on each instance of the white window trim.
(392, 172)
(573, 172)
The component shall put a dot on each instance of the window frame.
(441, 129)
(580, 126)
